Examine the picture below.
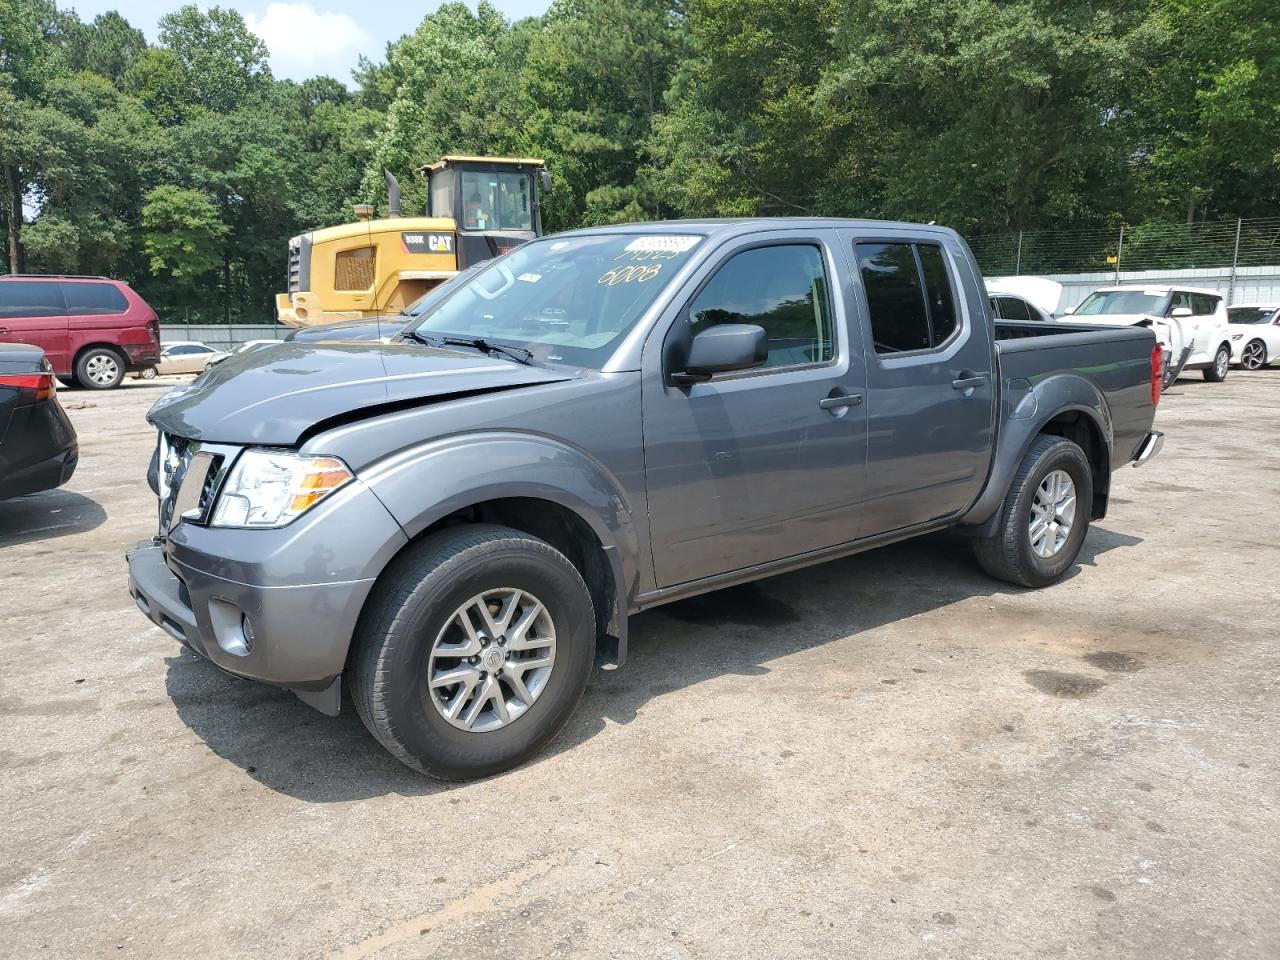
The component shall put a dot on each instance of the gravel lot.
(885, 756)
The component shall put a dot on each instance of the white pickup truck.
(1189, 322)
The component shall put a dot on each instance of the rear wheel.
(1044, 518)
(473, 651)
(99, 368)
(1254, 355)
(1216, 372)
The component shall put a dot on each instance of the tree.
(107, 46)
(182, 234)
(223, 60)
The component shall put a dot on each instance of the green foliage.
(182, 233)
(223, 60)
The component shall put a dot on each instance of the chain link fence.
(1225, 244)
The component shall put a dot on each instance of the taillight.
(1157, 373)
(153, 330)
(40, 386)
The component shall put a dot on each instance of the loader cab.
(493, 200)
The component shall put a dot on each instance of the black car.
(38, 448)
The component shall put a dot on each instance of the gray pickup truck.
(460, 522)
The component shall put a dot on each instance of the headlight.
(268, 488)
(1237, 336)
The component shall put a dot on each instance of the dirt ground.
(886, 756)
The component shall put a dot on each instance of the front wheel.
(1254, 355)
(1044, 518)
(1216, 372)
(473, 651)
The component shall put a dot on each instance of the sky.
(307, 37)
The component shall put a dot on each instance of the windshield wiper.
(518, 354)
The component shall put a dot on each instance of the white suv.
(1189, 322)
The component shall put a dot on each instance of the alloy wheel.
(102, 369)
(492, 660)
(1053, 513)
(1253, 355)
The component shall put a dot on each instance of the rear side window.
(1011, 308)
(30, 298)
(780, 288)
(909, 295)
(1203, 304)
(93, 298)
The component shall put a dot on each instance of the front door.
(930, 395)
(761, 464)
(33, 311)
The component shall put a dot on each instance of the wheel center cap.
(492, 659)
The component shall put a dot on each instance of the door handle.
(840, 401)
(4, 329)
(968, 383)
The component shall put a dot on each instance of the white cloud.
(303, 42)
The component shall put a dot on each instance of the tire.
(1254, 355)
(1216, 372)
(1008, 554)
(100, 368)
(412, 610)
(147, 373)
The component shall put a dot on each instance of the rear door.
(763, 464)
(930, 391)
(95, 312)
(33, 311)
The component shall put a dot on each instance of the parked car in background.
(38, 449)
(1255, 334)
(92, 330)
(1189, 322)
(1024, 298)
(187, 356)
(457, 525)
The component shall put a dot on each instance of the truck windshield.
(497, 201)
(567, 300)
(1122, 301)
(1249, 314)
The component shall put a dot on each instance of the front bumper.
(295, 637)
(1151, 445)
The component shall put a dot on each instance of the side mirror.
(1069, 311)
(1180, 312)
(546, 181)
(724, 348)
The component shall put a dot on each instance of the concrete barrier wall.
(222, 336)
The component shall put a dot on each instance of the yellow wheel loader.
(477, 208)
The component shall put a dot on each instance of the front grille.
(190, 474)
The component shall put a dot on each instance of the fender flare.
(422, 484)
(1050, 398)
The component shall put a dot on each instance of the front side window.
(1180, 301)
(354, 270)
(909, 295)
(497, 201)
(21, 298)
(93, 299)
(567, 300)
(780, 288)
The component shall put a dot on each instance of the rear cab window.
(910, 297)
(31, 298)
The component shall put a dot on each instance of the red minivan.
(93, 330)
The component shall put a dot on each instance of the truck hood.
(274, 396)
